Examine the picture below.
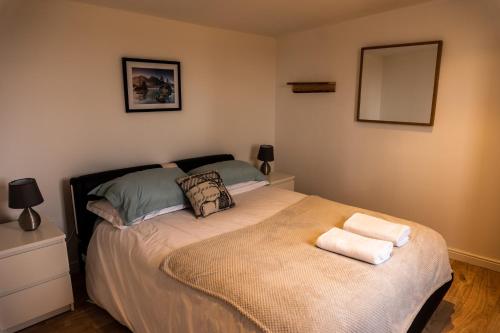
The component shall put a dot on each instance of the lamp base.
(29, 220)
(265, 168)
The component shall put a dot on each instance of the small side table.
(35, 283)
(281, 180)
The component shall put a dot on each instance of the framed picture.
(151, 85)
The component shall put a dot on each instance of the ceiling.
(264, 17)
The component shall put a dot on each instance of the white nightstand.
(281, 180)
(34, 275)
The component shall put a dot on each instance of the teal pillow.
(139, 193)
(232, 172)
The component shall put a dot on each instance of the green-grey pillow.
(232, 172)
(139, 193)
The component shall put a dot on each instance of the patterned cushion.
(206, 192)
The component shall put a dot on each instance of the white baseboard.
(474, 259)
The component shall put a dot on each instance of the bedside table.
(281, 180)
(34, 275)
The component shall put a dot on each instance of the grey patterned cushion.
(206, 193)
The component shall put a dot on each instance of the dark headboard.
(80, 186)
(192, 163)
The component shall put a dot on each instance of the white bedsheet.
(123, 273)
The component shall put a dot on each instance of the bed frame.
(85, 220)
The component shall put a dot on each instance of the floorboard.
(471, 305)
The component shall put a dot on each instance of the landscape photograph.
(153, 86)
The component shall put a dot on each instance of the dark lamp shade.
(24, 193)
(266, 153)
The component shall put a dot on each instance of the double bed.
(124, 269)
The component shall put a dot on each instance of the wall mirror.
(398, 83)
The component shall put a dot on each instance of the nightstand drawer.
(29, 268)
(27, 304)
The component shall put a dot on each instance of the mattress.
(123, 274)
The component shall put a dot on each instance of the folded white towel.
(343, 242)
(402, 241)
(374, 227)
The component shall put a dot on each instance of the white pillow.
(243, 187)
(107, 212)
(169, 165)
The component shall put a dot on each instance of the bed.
(123, 275)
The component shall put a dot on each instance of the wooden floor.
(471, 305)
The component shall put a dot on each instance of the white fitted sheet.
(123, 274)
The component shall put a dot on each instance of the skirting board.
(474, 259)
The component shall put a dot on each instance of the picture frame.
(411, 69)
(151, 85)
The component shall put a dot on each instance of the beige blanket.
(274, 275)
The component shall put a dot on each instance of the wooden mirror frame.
(439, 43)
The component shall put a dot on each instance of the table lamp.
(24, 193)
(266, 155)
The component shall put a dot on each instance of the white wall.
(62, 112)
(61, 94)
(446, 177)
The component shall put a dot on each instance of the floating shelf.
(312, 87)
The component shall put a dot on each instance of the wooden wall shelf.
(312, 87)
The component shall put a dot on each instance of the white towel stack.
(343, 242)
(365, 238)
(373, 227)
